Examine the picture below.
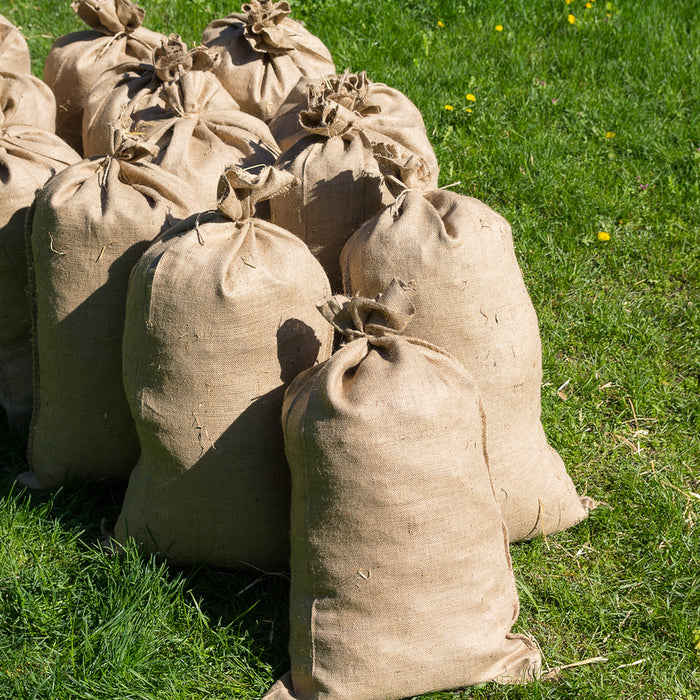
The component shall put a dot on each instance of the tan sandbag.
(383, 113)
(26, 100)
(14, 52)
(263, 55)
(89, 227)
(133, 90)
(472, 301)
(77, 60)
(341, 181)
(401, 580)
(220, 318)
(28, 158)
(183, 108)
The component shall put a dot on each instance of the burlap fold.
(89, 227)
(342, 181)
(220, 318)
(14, 52)
(26, 100)
(77, 60)
(401, 578)
(264, 53)
(472, 301)
(28, 158)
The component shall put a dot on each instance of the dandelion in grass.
(467, 110)
(609, 134)
(471, 98)
(603, 236)
(572, 19)
(499, 27)
(441, 24)
(568, 2)
(589, 5)
(449, 108)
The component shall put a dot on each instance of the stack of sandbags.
(472, 301)
(89, 226)
(331, 151)
(30, 154)
(263, 55)
(14, 52)
(182, 107)
(220, 318)
(77, 60)
(401, 578)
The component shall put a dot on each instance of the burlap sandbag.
(472, 301)
(263, 55)
(220, 318)
(77, 60)
(342, 184)
(401, 578)
(28, 158)
(133, 90)
(90, 225)
(383, 113)
(183, 108)
(26, 100)
(14, 52)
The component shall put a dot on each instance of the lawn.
(579, 122)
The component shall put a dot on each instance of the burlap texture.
(26, 100)
(263, 55)
(183, 108)
(77, 60)
(220, 318)
(14, 52)
(90, 226)
(383, 113)
(472, 301)
(28, 158)
(401, 578)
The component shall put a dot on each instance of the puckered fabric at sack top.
(26, 100)
(183, 108)
(89, 226)
(342, 181)
(14, 52)
(28, 158)
(401, 580)
(263, 55)
(383, 113)
(77, 60)
(220, 318)
(472, 301)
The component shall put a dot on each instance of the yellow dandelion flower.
(471, 98)
(603, 236)
(571, 19)
(466, 109)
(589, 5)
(609, 134)
(568, 2)
(449, 108)
(499, 27)
(441, 24)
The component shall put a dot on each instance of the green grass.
(620, 323)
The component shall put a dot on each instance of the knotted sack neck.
(356, 317)
(240, 190)
(121, 17)
(172, 58)
(124, 146)
(263, 26)
(402, 172)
